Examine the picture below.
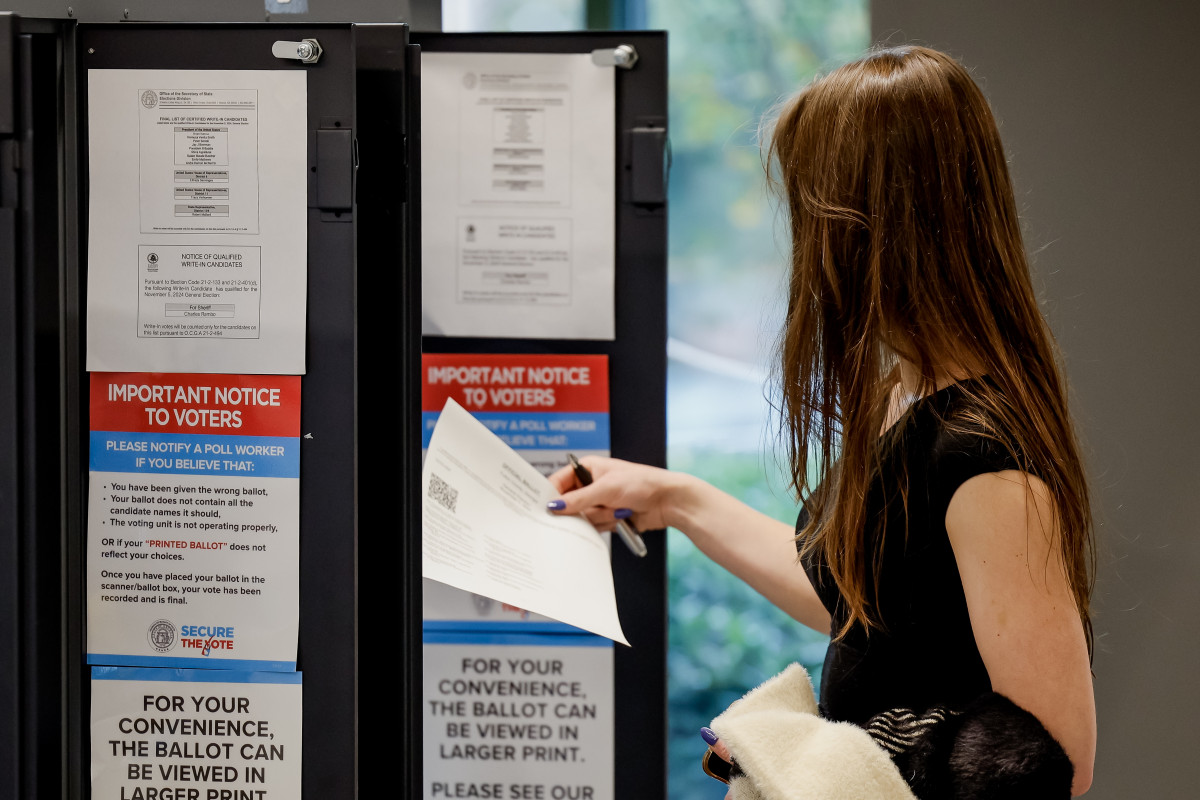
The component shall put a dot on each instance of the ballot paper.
(485, 529)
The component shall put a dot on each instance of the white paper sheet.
(197, 253)
(558, 744)
(196, 734)
(486, 530)
(518, 195)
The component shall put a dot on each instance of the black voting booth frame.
(44, 741)
(360, 599)
(637, 369)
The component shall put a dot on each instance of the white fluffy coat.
(788, 752)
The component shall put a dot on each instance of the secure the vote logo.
(206, 638)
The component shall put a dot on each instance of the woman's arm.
(748, 543)
(1023, 614)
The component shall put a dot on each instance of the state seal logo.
(149, 98)
(161, 635)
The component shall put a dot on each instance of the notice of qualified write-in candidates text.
(196, 254)
(517, 195)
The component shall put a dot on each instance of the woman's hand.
(647, 493)
(719, 750)
(712, 740)
(751, 545)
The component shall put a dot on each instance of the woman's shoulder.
(966, 435)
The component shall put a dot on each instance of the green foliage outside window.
(724, 638)
(731, 61)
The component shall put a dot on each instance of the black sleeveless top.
(926, 654)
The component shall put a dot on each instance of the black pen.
(630, 536)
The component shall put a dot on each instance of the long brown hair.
(906, 245)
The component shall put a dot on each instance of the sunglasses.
(716, 767)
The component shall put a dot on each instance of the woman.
(944, 540)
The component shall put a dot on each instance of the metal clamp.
(307, 51)
(623, 56)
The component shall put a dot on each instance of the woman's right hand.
(650, 493)
(751, 545)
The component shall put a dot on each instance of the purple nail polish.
(556, 505)
(623, 513)
(708, 736)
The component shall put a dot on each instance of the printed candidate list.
(196, 247)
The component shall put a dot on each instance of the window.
(513, 15)
(731, 61)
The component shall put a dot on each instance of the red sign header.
(155, 402)
(515, 382)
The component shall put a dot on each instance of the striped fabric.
(898, 729)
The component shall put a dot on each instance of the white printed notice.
(504, 719)
(199, 185)
(183, 734)
(518, 195)
(193, 521)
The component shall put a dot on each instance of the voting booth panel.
(341, 350)
(617, 330)
(188, 178)
(210, 295)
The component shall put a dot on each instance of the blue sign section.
(498, 626)
(195, 454)
(537, 634)
(192, 675)
(531, 639)
(192, 663)
(537, 430)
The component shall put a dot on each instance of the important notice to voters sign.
(541, 406)
(182, 734)
(193, 521)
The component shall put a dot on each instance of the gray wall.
(1099, 103)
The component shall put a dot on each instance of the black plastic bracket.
(334, 157)
(649, 163)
